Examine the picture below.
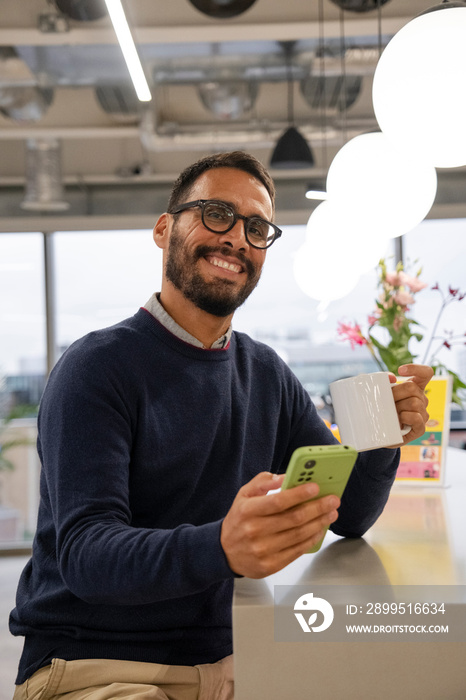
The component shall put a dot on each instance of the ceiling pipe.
(213, 137)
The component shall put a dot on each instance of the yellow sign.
(423, 460)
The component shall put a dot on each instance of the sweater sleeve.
(86, 429)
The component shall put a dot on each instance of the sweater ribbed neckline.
(180, 346)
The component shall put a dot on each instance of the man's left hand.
(410, 399)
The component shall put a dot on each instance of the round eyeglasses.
(220, 217)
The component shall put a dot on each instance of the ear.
(161, 231)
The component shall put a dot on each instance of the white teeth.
(225, 265)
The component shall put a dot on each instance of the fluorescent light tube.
(125, 39)
(316, 194)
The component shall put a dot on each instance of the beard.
(219, 297)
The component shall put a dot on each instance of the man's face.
(217, 272)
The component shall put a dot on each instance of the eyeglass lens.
(220, 217)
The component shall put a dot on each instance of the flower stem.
(372, 352)
(437, 320)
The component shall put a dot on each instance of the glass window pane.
(22, 377)
(439, 247)
(102, 277)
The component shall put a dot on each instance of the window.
(439, 246)
(102, 277)
(22, 377)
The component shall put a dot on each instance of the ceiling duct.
(20, 98)
(228, 99)
(82, 10)
(335, 94)
(119, 101)
(25, 104)
(44, 189)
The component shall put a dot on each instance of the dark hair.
(234, 159)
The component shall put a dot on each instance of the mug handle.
(406, 428)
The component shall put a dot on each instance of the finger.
(417, 423)
(255, 501)
(261, 484)
(300, 516)
(277, 503)
(306, 537)
(411, 399)
(420, 374)
(276, 551)
(409, 396)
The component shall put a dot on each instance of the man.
(159, 439)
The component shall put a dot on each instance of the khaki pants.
(103, 679)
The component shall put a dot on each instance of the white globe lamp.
(383, 190)
(335, 231)
(320, 277)
(335, 254)
(418, 89)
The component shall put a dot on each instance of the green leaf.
(457, 382)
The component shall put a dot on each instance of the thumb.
(261, 484)
(419, 374)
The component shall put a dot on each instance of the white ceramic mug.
(365, 412)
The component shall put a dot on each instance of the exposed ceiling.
(217, 84)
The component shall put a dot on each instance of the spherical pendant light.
(335, 254)
(418, 90)
(384, 189)
(320, 276)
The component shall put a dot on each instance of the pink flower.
(413, 283)
(351, 333)
(393, 278)
(372, 320)
(403, 298)
(386, 303)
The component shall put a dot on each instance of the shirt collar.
(154, 307)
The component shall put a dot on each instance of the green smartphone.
(329, 466)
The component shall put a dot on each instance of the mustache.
(203, 250)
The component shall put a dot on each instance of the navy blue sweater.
(144, 442)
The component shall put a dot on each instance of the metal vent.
(120, 101)
(83, 10)
(25, 104)
(332, 93)
(228, 99)
(44, 189)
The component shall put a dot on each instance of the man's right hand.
(262, 534)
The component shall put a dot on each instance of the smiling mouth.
(224, 264)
